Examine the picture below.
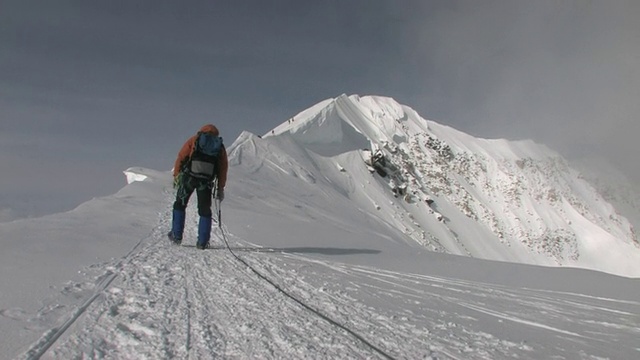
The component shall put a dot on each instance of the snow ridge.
(493, 199)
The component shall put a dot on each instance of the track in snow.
(179, 302)
(165, 301)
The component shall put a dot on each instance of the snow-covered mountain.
(613, 185)
(448, 191)
(320, 256)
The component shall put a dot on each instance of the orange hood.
(209, 128)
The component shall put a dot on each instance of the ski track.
(166, 301)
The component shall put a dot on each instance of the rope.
(292, 297)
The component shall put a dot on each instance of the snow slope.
(323, 262)
(493, 199)
(47, 264)
(311, 282)
(614, 186)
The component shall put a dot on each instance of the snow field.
(177, 302)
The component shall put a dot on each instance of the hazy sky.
(89, 88)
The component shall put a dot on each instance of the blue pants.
(186, 187)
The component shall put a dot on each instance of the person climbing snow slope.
(201, 165)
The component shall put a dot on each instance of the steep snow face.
(446, 190)
(614, 187)
(323, 129)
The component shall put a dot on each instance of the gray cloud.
(562, 73)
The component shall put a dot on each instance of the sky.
(90, 88)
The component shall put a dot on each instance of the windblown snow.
(355, 229)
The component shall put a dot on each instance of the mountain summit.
(445, 190)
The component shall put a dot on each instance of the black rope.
(300, 302)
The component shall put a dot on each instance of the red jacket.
(188, 148)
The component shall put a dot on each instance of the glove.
(220, 194)
(176, 181)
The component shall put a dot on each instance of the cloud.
(7, 215)
(562, 73)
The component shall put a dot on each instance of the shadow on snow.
(299, 250)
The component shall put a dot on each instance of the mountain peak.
(382, 120)
(447, 190)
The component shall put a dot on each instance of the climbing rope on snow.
(292, 297)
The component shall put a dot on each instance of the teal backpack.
(203, 163)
